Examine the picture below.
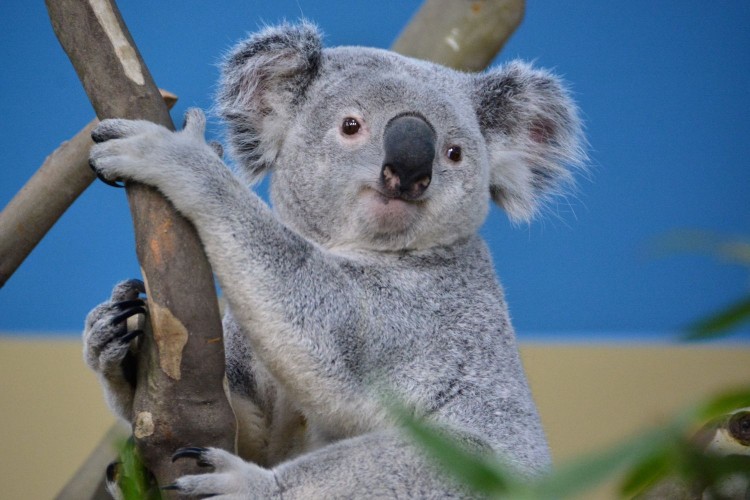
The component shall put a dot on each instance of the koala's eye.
(454, 153)
(350, 126)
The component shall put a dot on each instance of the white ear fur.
(263, 79)
(533, 133)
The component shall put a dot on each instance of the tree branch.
(461, 34)
(180, 398)
(61, 179)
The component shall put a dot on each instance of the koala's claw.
(194, 452)
(125, 339)
(117, 184)
(112, 471)
(125, 304)
(131, 311)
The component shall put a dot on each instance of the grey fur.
(340, 294)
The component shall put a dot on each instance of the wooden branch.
(462, 34)
(180, 398)
(63, 176)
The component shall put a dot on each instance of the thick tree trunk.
(180, 397)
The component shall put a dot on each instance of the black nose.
(409, 143)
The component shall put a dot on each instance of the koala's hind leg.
(377, 465)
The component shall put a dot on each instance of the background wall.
(589, 397)
(663, 89)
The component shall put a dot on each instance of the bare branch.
(61, 179)
(180, 398)
(462, 34)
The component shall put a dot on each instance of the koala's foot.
(107, 343)
(232, 477)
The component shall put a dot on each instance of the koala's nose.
(409, 143)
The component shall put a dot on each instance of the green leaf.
(583, 473)
(475, 471)
(649, 471)
(723, 404)
(133, 477)
(720, 323)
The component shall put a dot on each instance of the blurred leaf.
(584, 473)
(722, 404)
(133, 477)
(646, 473)
(480, 473)
(733, 250)
(718, 324)
(654, 455)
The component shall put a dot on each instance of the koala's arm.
(291, 297)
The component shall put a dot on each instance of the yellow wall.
(589, 396)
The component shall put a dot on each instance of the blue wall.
(664, 91)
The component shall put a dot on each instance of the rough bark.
(462, 34)
(63, 176)
(180, 398)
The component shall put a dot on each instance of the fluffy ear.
(533, 133)
(263, 79)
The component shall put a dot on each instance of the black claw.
(125, 304)
(125, 339)
(172, 486)
(127, 313)
(192, 452)
(112, 470)
(138, 285)
(188, 452)
(117, 184)
(97, 135)
(104, 179)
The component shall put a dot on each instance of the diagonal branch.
(63, 176)
(461, 34)
(179, 399)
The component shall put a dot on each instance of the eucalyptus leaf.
(479, 473)
(723, 404)
(720, 323)
(649, 471)
(583, 473)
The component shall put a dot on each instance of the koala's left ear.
(263, 80)
(533, 133)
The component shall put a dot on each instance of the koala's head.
(374, 150)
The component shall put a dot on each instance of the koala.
(368, 276)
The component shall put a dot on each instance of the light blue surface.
(664, 89)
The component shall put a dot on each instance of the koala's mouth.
(407, 197)
(390, 213)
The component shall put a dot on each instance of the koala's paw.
(107, 342)
(231, 479)
(141, 151)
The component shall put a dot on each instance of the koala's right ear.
(533, 132)
(263, 80)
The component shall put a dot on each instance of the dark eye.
(454, 153)
(350, 126)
